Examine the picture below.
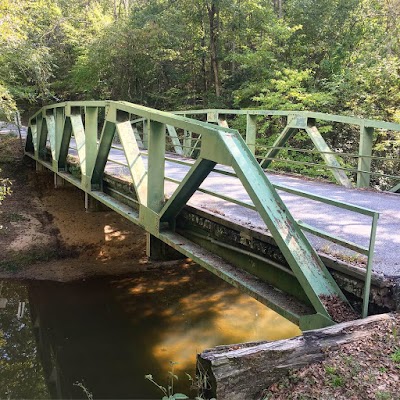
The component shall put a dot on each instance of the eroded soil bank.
(47, 234)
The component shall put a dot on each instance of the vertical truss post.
(251, 132)
(81, 143)
(91, 118)
(364, 159)
(155, 248)
(145, 134)
(187, 143)
(156, 166)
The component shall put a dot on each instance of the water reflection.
(109, 333)
(21, 374)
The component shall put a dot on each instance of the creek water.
(108, 333)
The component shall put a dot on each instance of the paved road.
(342, 223)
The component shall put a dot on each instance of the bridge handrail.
(370, 123)
(306, 120)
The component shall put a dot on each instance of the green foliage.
(334, 379)
(169, 390)
(396, 356)
(5, 188)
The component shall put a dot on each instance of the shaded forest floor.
(366, 369)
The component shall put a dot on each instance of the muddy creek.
(108, 333)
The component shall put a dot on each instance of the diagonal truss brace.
(319, 142)
(301, 257)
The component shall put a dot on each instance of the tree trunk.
(213, 18)
(244, 371)
(278, 7)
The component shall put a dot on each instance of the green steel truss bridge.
(200, 188)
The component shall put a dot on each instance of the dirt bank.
(47, 234)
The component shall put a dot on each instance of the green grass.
(396, 356)
(16, 260)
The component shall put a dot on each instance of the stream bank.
(46, 233)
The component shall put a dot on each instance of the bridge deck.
(345, 224)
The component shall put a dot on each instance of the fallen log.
(243, 371)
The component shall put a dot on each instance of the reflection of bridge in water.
(197, 188)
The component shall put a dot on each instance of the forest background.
(334, 56)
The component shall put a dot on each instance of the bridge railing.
(367, 155)
(145, 136)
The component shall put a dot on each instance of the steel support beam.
(64, 144)
(175, 140)
(303, 260)
(285, 135)
(106, 138)
(330, 159)
(364, 159)
(251, 132)
(156, 166)
(134, 159)
(193, 179)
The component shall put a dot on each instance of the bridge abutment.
(157, 250)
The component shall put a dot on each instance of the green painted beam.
(175, 140)
(302, 258)
(64, 144)
(51, 132)
(41, 136)
(365, 153)
(104, 147)
(395, 189)
(134, 159)
(285, 135)
(193, 179)
(251, 132)
(156, 166)
(328, 157)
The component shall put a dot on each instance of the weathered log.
(243, 371)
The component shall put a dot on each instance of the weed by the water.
(88, 394)
(168, 391)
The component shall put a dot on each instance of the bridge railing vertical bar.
(365, 156)
(371, 248)
(251, 132)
